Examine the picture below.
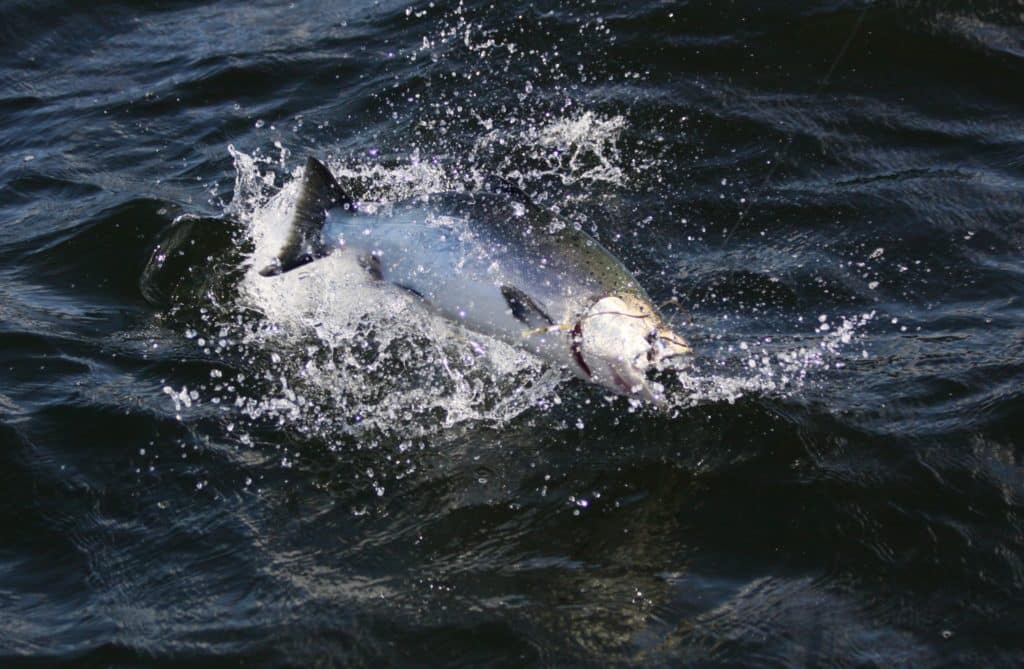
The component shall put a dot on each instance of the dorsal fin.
(320, 192)
(524, 309)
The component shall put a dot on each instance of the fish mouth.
(667, 347)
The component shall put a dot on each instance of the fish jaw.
(669, 350)
(619, 340)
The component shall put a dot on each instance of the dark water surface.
(203, 477)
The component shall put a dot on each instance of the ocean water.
(200, 466)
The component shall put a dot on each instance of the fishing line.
(792, 134)
(745, 206)
(679, 309)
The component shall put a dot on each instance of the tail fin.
(320, 191)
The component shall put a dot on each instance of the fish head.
(622, 340)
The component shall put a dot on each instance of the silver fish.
(498, 264)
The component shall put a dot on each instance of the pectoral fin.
(524, 309)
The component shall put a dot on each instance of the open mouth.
(667, 351)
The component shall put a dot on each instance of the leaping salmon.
(498, 264)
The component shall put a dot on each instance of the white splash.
(344, 351)
(340, 353)
(576, 148)
(770, 366)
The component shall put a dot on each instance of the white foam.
(345, 352)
